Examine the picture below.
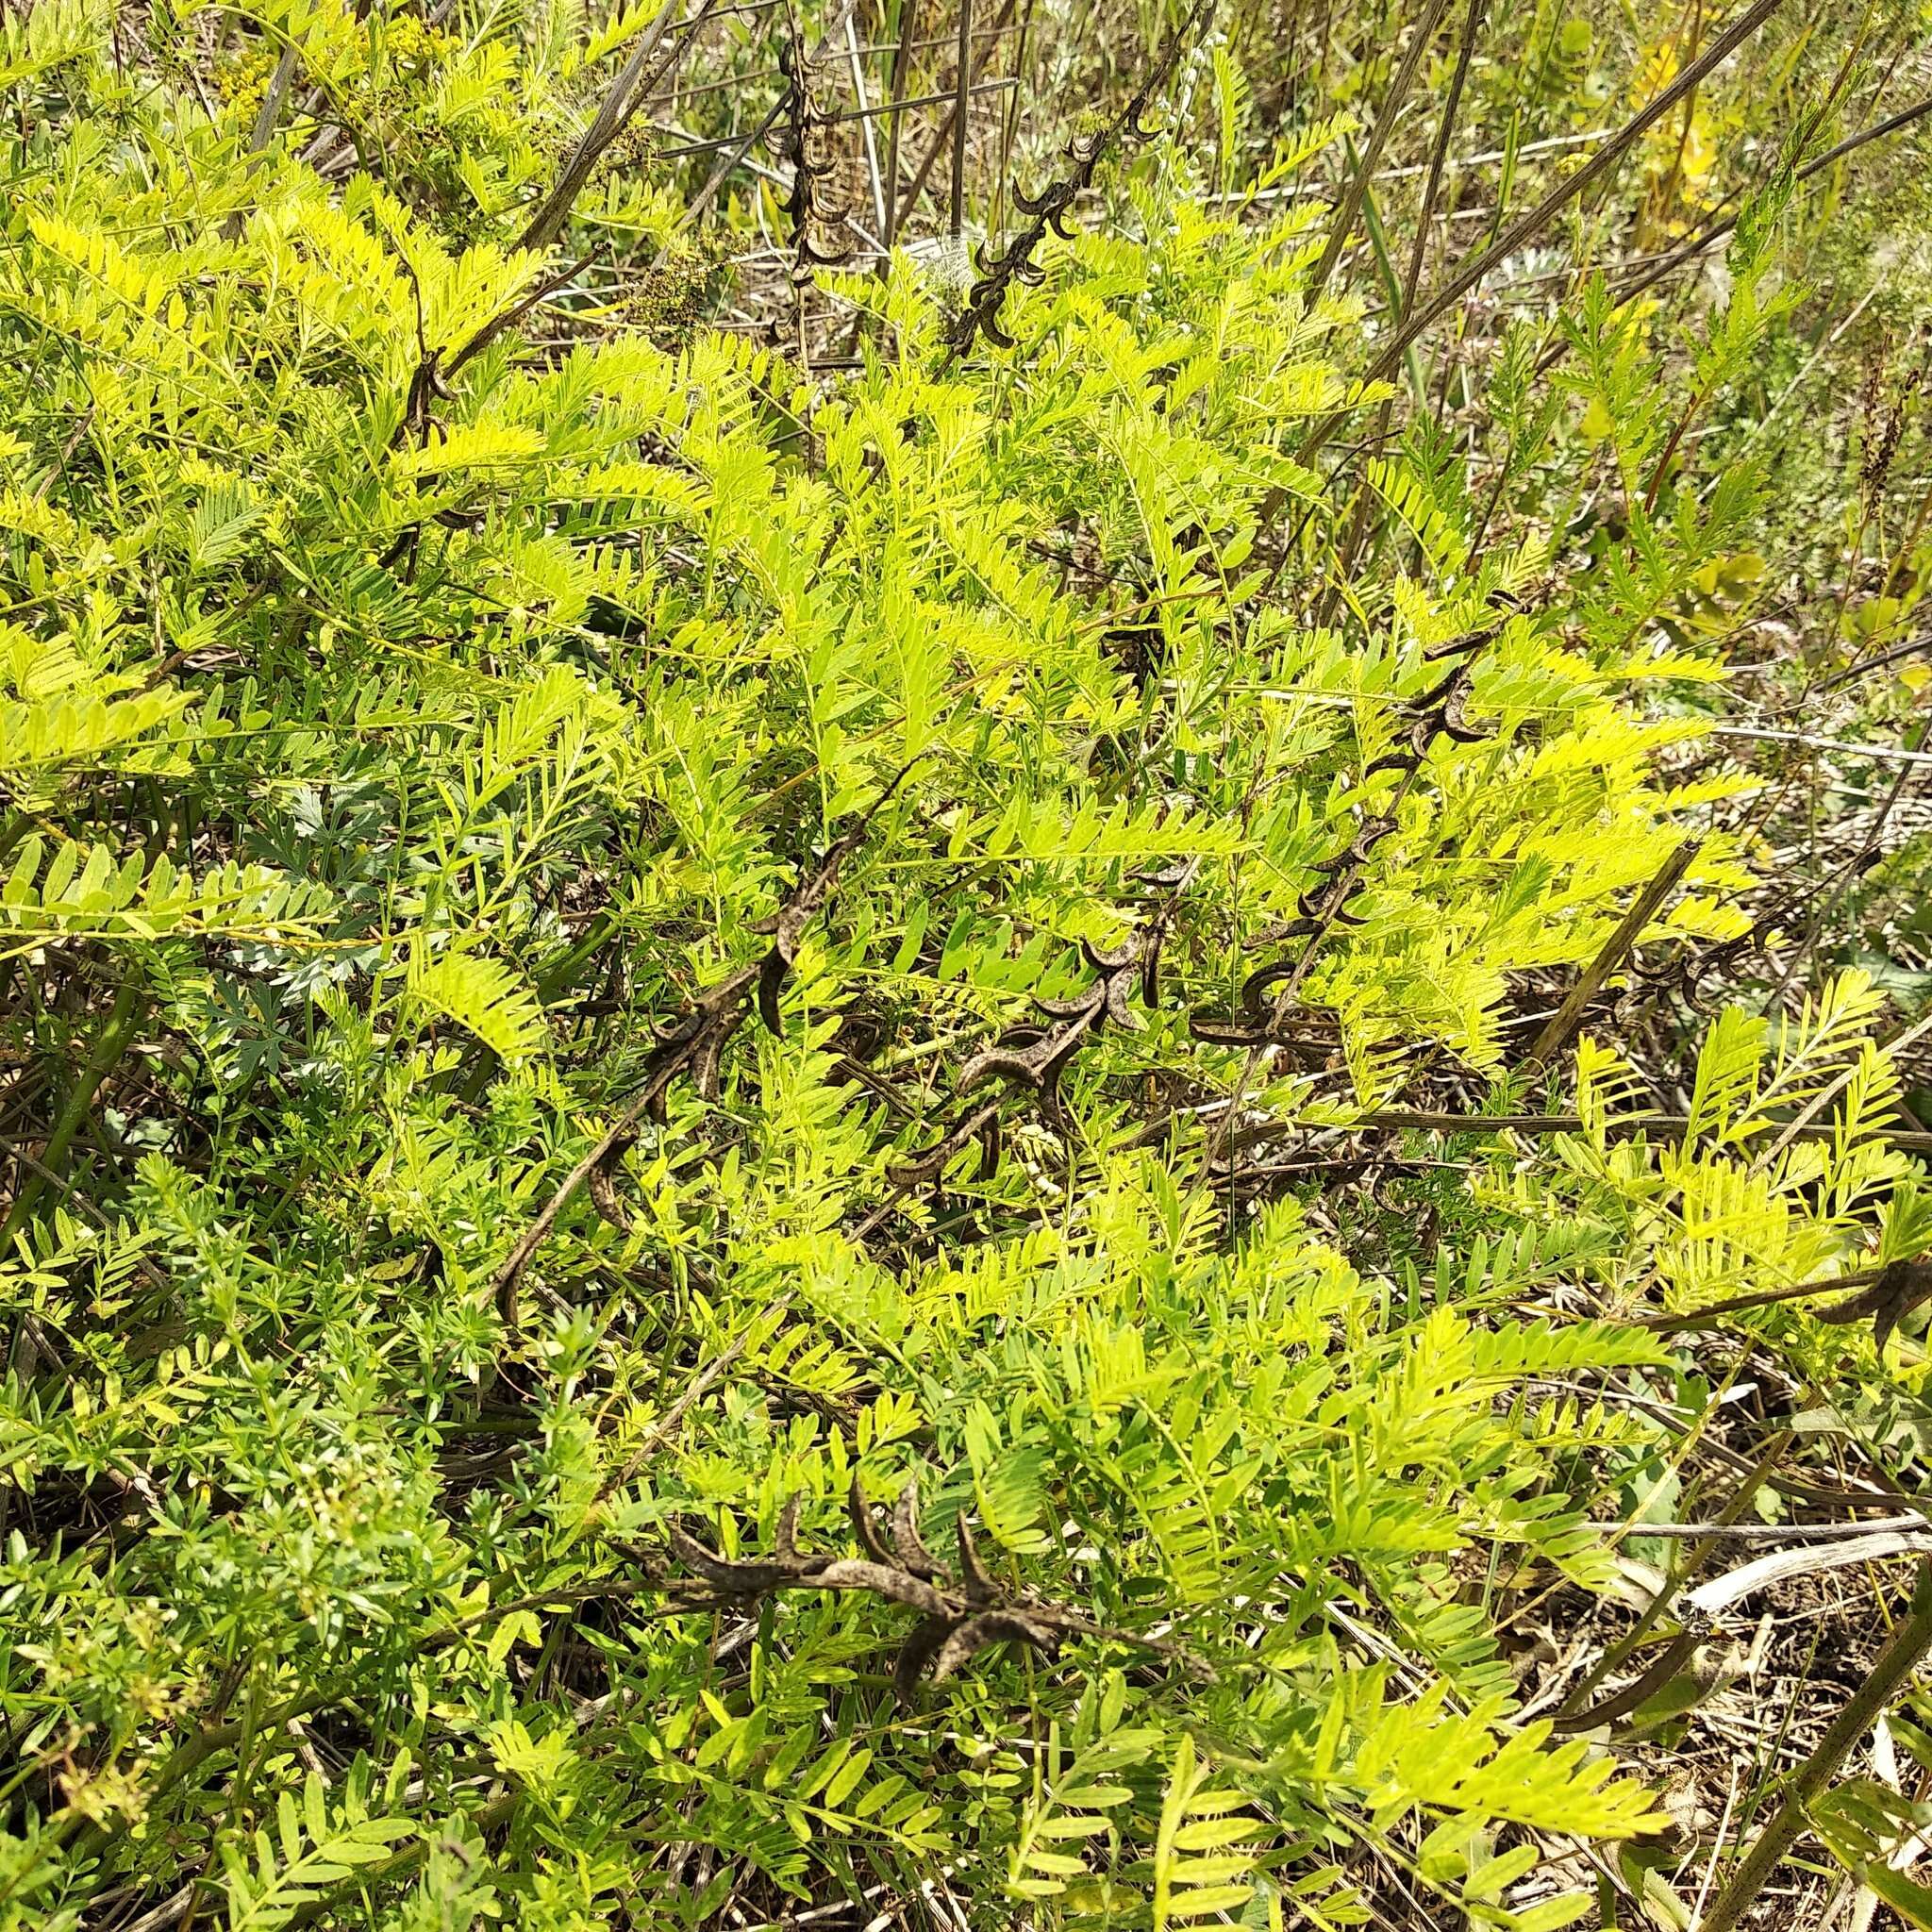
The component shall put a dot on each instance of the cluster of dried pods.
(808, 150)
(1032, 1057)
(693, 1041)
(1050, 208)
(1437, 711)
(958, 1618)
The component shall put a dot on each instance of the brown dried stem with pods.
(1051, 206)
(1033, 1056)
(639, 78)
(958, 1618)
(693, 1043)
(1439, 711)
(803, 141)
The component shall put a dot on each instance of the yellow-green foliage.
(413, 704)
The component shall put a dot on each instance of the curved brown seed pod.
(1050, 1076)
(1227, 1033)
(1456, 724)
(1896, 1292)
(965, 1641)
(1120, 990)
(913, 1553)
(785, 1538)
(980, 1587)
(1281, 929)
(1025, 1036)
(604, 1195)
(1065, 1009)
(772, 971)
(685, 1594)
(923, 1167)
(1371, 834)
(1468, 641)
(915, 1655)
(1112, 962)
(1429, 700)
(864, 1526)
(853, 1573)
(989, 1146)
(734, 1579)
(1256, 984)
(999, 1060)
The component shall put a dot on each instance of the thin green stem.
(122, 1017)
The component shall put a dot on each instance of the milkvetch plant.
(643, 972)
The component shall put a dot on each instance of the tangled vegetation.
(843, 1090)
